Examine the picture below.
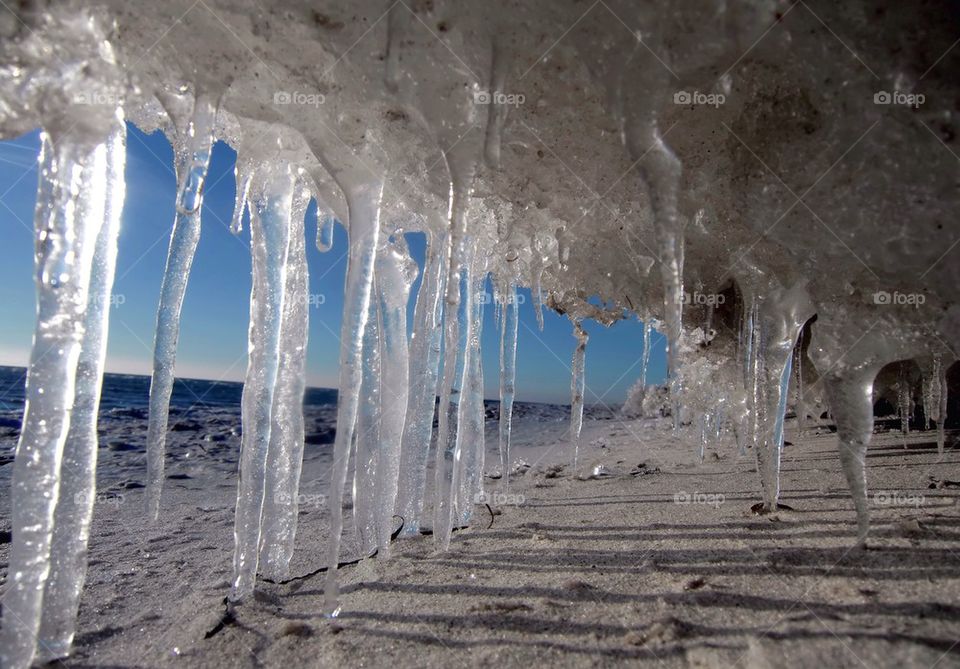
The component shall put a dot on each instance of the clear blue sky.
(213, 336)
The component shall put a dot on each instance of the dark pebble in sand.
(132, 485)
(119, 446)
(186, 426)
(5, 536)
(301, 630)
(179, 477)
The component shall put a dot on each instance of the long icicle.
(396, 272)
(368, 429)
(65, 241)
(363, 201)
(192, 162)
(577, 388)
(71, 521)
(424, 371)
(269, 250)
(449, 468)
(443, 473)
(285, 454)
(508, 376)
(470, 414)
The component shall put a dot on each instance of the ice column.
(285, 452)
(363, 202)
(103, 201)
(193, 157)
(424, 363)
(577, 387)
(269, 249)
(67, 222)
(396, 272)
(470, 449)
(508, 375)
(367, 435)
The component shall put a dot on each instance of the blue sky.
(213, 336)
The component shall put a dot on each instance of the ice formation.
(552, 145)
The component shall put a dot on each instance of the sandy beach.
(656, 561)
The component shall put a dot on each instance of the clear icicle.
(269, 247)
(903, 401)
(449, 452)
(244, 176)
(577, 388)
(508, 376)
(325, 223)
(424, 371)
(470, 414)
(941, 395)
(363, 201)
(65, 242)
(285, 454)
(444, 462)
(192, 162)
(395, 272)
(368, 430)
(801, 406)
(71, 522)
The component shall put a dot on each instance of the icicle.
(508, 376)
(851, 403)
(497, 112)
(926, 394)
(449, 440)
(325, 223)
(368, 429)
(941, 392)
(192, 161)
(537, 294)
(71, 523)
(645, 357)
(704, 420)
(577, 387)
(395, 272)
(285, 452)
(363, 201)
(801, 406)
(269, 249)
(458, 276)
(903, 401)
(244, 176)
(470, 413)
(424, 363)
(72, 180)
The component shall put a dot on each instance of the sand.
(660, 562)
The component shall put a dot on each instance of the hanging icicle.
(285, 453)
(193, 157)
(424, 362)
(577, 388)
(269, 249)
(508, 376)
(68, 219)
